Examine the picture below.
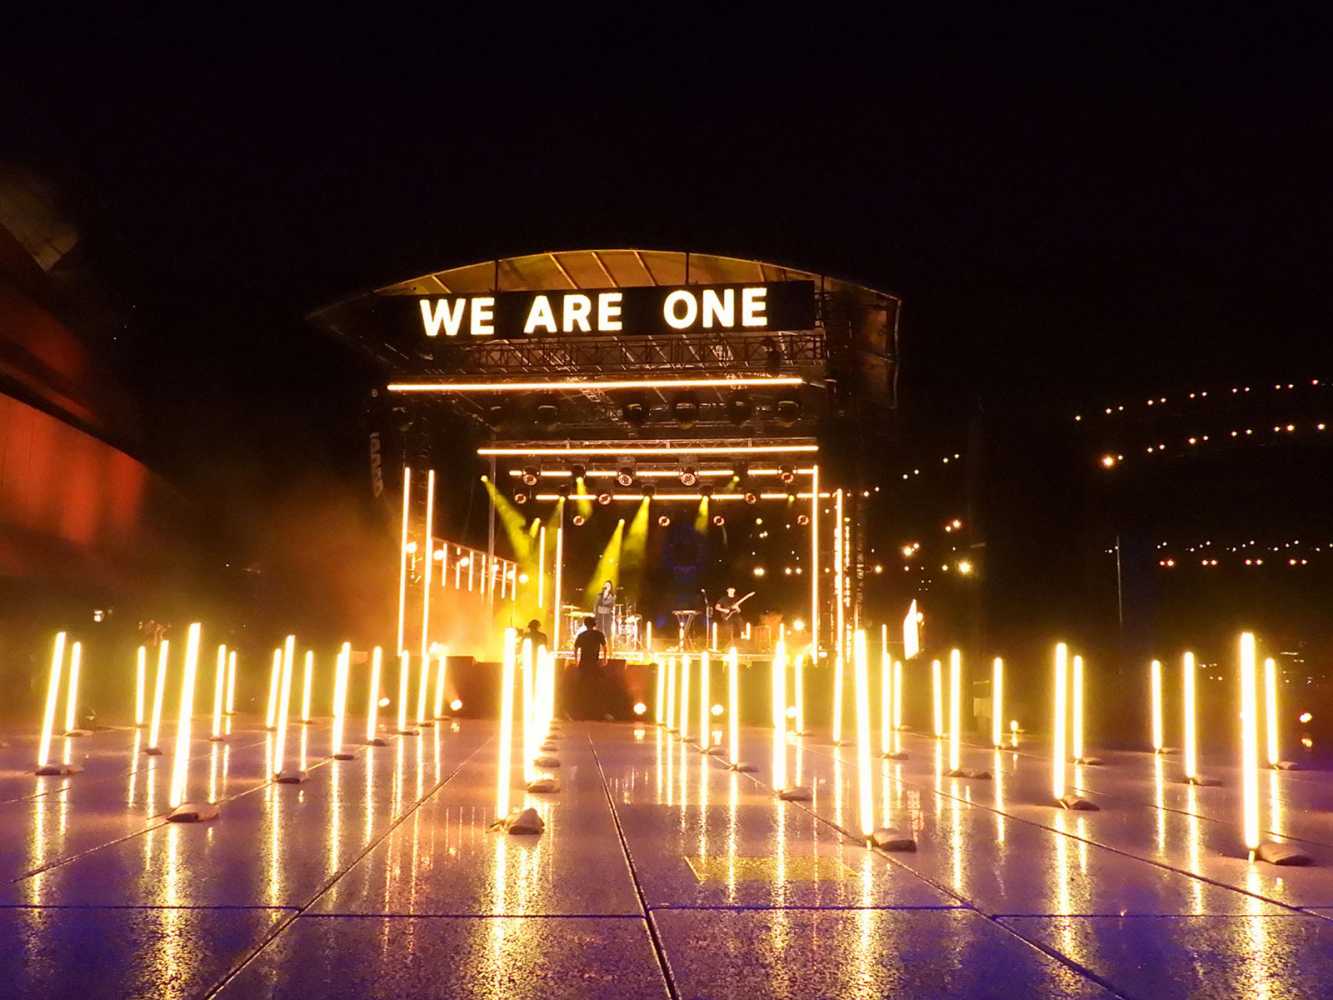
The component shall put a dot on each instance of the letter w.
(445, 314)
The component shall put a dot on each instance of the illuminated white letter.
(672, 315)
(483, 316)
(443, 315)
(754, 307)
(541, 314)
(577, 308)
(608, 312)
(720, 309)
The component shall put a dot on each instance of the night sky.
(1071, 211)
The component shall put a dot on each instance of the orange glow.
(600, 385)
(629, 448)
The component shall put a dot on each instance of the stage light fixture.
(719, 520)
(802, 519)
(625, 476)
(787, 474)
(685, 409)
(663, 521)
(579, 520)
(750, 498)
(578, 471)
(498, 414)
(603, 499)
(563, 491)
(706, 490)
(634, 412)
(530, 476)
(546, 415)
(787, 411)
(649, 491)
(520, 498)
(688, 477)
(739, 408)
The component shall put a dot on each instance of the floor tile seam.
(281, 925)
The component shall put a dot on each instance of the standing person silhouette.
(604, 610)
(589, 659)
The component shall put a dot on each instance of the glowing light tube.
(423, 687)
(937, 698)
(402, 555)
(306, 689)
(659, 707)
(865, 787)
(180, 763)
(159, 693)
(997, 702)
(814, 567)
(1191, 733)
(1249, 762)
(404, 670)
(426, 577)
(779, 689)
(274, 677)
(837, 697)
(72, 692)
(502, 779)
(1155, 683)
(231, 682)
(140, 677)
(600, 385)
(441, 677)
(684, 697)
(671, 694)
(897, 705)
(52, 699)
(284, 702)
(1076, 738)
(340, 677)
(628, 449)
(219, 691)
(733, 707)
(1270, 709)
(799, 696)
(529, 711)
(885, 694)
(705, 729)
(955, 709)
(373, 698)
(1060, 722)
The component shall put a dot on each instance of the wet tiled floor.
(660, 873)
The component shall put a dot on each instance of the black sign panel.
(739, 308)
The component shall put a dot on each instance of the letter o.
(670, 312)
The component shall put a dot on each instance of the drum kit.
(626, 623)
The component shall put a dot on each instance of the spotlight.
(802, 519)
(530, 476)
(685, 409)
(634, 412)
(498, 414)
(787, 474)
(787, 411)
(719, 520)
(578, 472)
(649, 491)
(706, 490)
(688, 477)
(520, 497)
(751, 498)
(579, 520)
(563, 490)
(546, 415)
(603, 499)
(663, 521)
(739, 409)
(625, 477)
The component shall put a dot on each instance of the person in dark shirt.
(589, 658)
(535, 634)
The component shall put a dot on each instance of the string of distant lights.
(1289, 554)
(1200, 394)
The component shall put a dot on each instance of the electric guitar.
(727, 611)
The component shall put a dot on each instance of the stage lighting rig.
(546, 415)
(649, 491)
(578, 471)
(751, 498)
(802, 519)
(625, 476)
(787, 411)
(563, 490)
(685, 409)
(688, 477)
(520, 497)
(663, 521)
(634, 412)
(739, 408)
(603, 499)
(787, 474)
(719, 520)
(579, 520)
(706, 490)
(530, 476)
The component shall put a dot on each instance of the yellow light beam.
(779, 688)
(1191, 732)
(373, 697)
(140, 678)
(180, 763)
(503, 777)
(865, 787)
(684, 697)
(340, 677)
(1155, 683)
(52, 700)
(559, 576)
(231, 682)
(159, 694)
(402, 554)
(306, 690)
(1249, 760)
(529, 711)
(937, 698)
(705, 726)
(1270, 709)
(1076, 738)
(997, 702)
(274, 677)
(733, 707)
(72, 691)
(1060, 722)
(885, 693)
(219, 691)
(404, 685)
(284, 702)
